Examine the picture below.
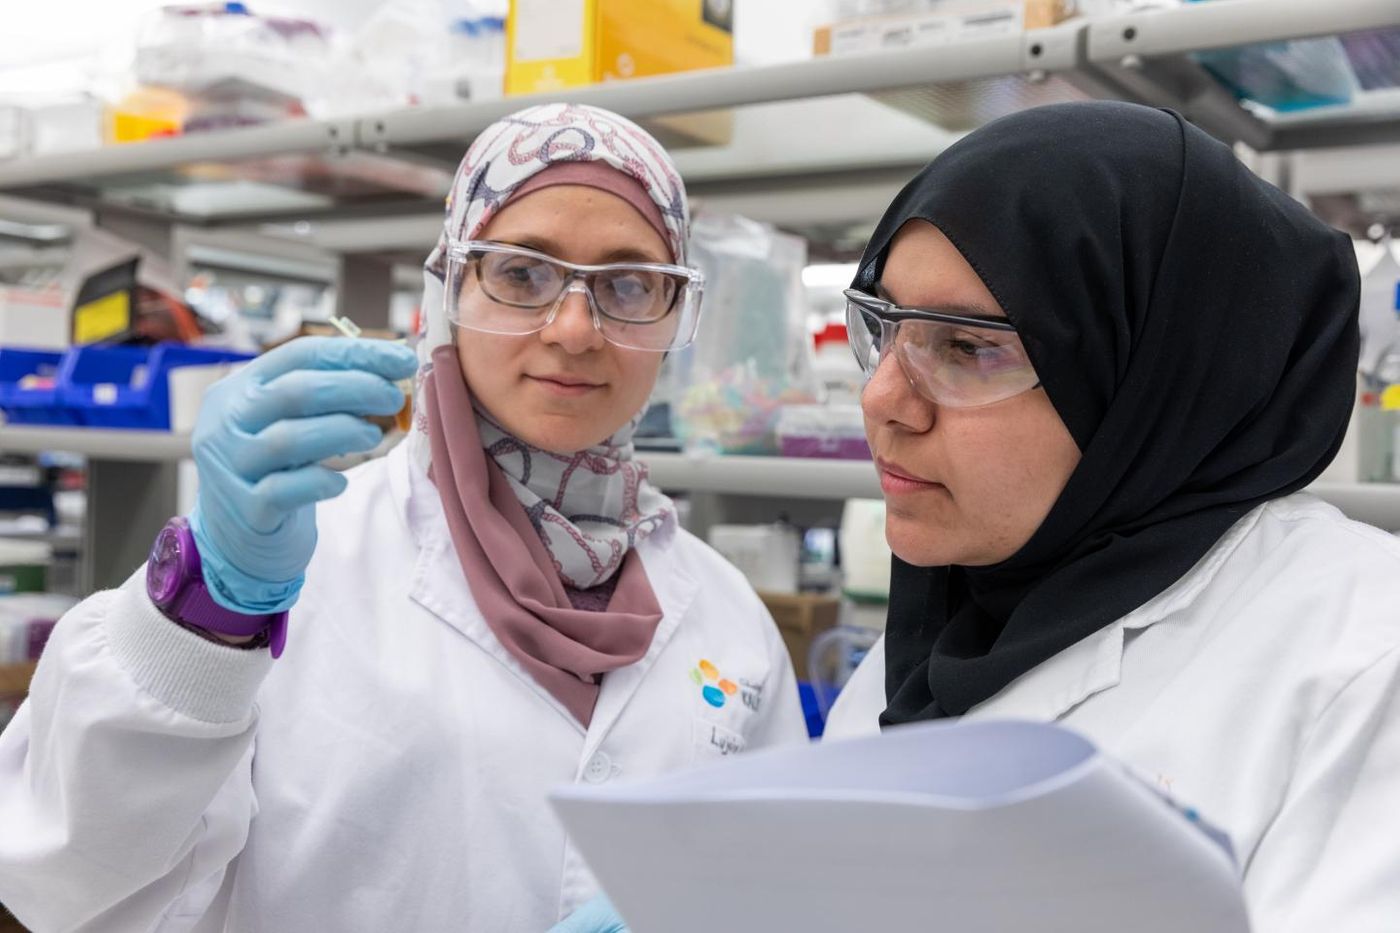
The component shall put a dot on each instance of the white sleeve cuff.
(198, 678)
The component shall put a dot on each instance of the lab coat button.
(598, 769)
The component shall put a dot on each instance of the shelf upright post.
(128, 502)
(363, 289)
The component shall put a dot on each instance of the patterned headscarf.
(590, 507)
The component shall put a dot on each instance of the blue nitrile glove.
(597, 916)
(260, 434)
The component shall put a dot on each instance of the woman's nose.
(889, 398)
(572, 328)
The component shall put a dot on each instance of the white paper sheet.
(987, 826)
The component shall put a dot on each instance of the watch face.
(163, 576)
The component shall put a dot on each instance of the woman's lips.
(894, 480)
(566, 386)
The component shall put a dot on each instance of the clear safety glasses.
(500, 289)
(953, 359)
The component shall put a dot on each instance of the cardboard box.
(14, 679)
(801, 617)
(34, 319)
(552, 45)
(951, 22)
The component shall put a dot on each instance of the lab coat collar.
(675, 587)
(439, 586)
(1094, 664)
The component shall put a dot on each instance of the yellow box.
(552, 45)
(556, 44)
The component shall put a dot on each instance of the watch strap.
(197, 609)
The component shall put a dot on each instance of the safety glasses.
(953, 359)
(500, 289)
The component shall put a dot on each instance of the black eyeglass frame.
(888, 312)
(893, 313)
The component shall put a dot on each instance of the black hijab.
(1194, 327)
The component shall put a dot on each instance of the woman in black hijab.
(1104, 358)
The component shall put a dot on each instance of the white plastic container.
(187, 387)
(767, 555)
(865, 553)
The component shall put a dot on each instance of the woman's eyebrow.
(542, 244)
(966, 309)
(536, 243)
(630, 254)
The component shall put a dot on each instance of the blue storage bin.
(811, 709)
(129, 387)
(34, 404)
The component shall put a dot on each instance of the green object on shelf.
(24, 566)
(22, 578)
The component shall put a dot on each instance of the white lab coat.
(1263, 689)
(389, 772)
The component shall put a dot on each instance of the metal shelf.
(1145, 57)
(1227, 23)
(440, 133)
(755, 476)
(291, 136)
(1374, 503)
(400, 161)
(788, 477)
(132, 446)
(125, 446)
(293, 168)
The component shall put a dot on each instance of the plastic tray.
(129, 387)
(32, 405)
(99, 386)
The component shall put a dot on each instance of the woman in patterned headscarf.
(502, 605)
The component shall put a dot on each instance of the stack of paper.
(989, 826)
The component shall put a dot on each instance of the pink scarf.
(511, 574)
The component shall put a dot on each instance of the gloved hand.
(597, 916)
(260, 434)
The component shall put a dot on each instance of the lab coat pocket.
(710, 740)
(731, 692)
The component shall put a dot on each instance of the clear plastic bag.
(192, 49)
(752, 354)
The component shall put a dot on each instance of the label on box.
(547, 29)
(898, 32)
(100, 319)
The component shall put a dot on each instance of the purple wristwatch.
(175, 583)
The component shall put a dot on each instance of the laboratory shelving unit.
(829, 139)
(399, 162)
(786, 479)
